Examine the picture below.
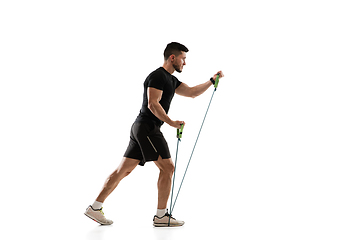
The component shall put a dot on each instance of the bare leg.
(124, 169)
(166, 167)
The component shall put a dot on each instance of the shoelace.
(168, 215)
(101, 211)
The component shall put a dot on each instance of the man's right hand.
(176, 124)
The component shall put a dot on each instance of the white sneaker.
(97, 215)
(164, 221)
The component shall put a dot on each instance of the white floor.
(219, 226)
(256, 212)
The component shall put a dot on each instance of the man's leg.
(161, 219)
(125, 168)
(166, 167)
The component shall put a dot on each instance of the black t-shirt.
(162, 80)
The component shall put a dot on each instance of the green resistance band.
(172, 205)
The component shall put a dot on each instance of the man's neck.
(169, 67)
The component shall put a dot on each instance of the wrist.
(212, 81)
(170, 122)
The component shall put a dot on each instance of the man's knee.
(166, 166)
(170, 168)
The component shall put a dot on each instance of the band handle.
(217, 80)
(180, 131)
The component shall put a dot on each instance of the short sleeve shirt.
(164, 81)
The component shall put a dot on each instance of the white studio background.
(278, 157)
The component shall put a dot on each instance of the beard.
(177, 68)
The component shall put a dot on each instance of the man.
(147, 143)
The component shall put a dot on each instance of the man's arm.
(193, 92)
(186, 91)
(154, 97)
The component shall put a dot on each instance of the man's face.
(179, 62)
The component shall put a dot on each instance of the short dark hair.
(174, 48)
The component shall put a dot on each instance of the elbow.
(151, 106)
(193, 94)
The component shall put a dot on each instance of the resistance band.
(179, 136)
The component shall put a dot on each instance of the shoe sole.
(166, 225)
(96, 220)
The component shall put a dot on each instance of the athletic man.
(147, 143)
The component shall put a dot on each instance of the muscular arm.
(154, 97)
(186, 91)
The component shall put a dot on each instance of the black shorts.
(147, 143)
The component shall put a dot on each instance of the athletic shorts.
(147, 143)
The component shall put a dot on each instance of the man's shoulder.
(158, 72)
